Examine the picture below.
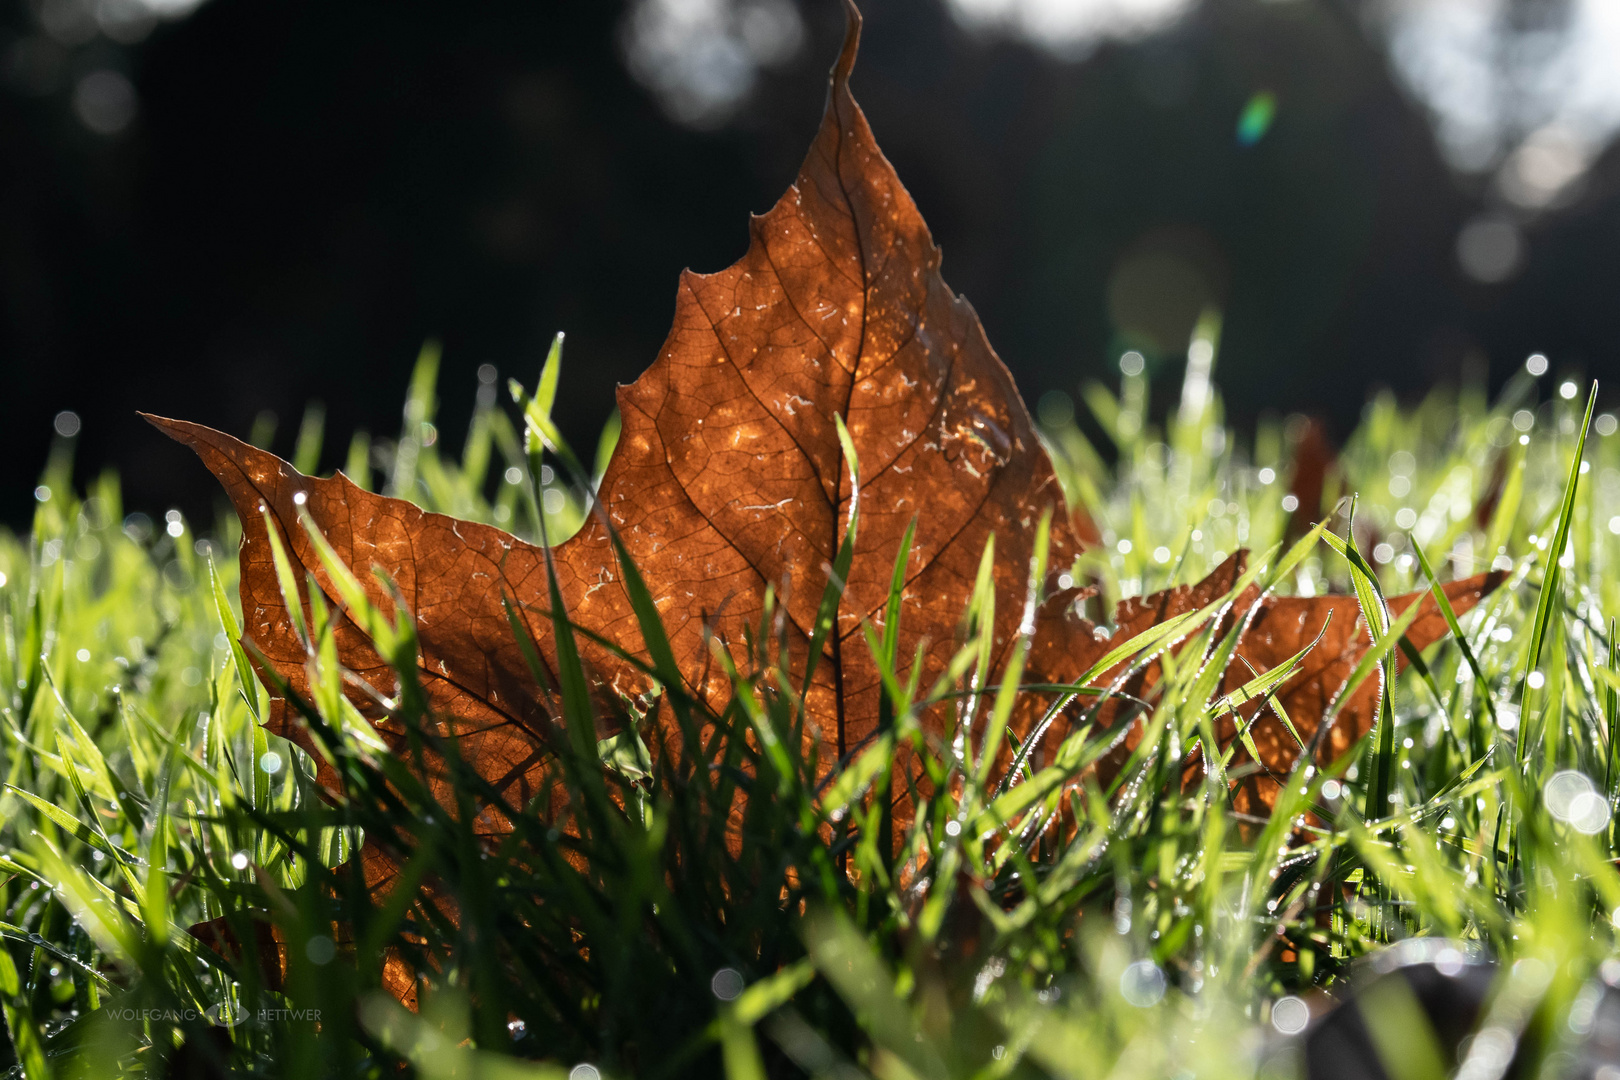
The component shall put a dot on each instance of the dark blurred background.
(216, 210)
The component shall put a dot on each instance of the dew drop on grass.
(1565, 792)
(1290, 1015)
(1142, 984)
(320, 950)
(1589, 813)
(727, 984)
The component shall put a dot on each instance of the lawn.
(719, 905)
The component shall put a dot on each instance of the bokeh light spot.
(1256, 118)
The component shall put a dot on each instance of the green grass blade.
(246, 681)
(1551, 595)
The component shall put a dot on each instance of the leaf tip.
(178, 430)
(852, 43)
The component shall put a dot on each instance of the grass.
(708, 910)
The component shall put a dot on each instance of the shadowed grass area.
(707, 906)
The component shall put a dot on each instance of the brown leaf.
(728, 478)
(729, 475)
(1276, 628)
(270, 953)
(1313, 460)
(1485, 509)
(269, 947)
(451, 573)
(1284, 625)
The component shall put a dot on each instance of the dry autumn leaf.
(1313, 461)
(1277, 627)
(729, 479)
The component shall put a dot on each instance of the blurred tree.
(216, 213)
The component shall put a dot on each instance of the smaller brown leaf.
(1313, 460)
(269, 947)
(1485, 509)
(1283, 626)
(1277, 627)
(270, 952)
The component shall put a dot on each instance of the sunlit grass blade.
(291, 597)
(1008, 693)
(1611, 723)
(1375, 615)
(233, 634)
(1551, 594)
